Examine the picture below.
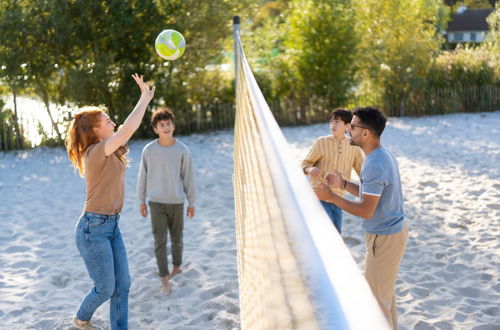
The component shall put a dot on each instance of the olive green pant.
(167, 218)
(383, 257)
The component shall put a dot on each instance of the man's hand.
(323, 192)
(313, 171)
(143, 209)
(334, 179)
(190, 212)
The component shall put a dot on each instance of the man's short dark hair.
(371, 118)
(342, 114)
(162, 113)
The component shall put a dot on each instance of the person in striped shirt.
(334, 152)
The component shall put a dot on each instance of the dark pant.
(100, 244)
(335, 214)
(167, 218)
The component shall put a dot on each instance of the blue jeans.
(335, 214)
(100, 244)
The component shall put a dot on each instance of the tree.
(83, 52)
(320, 46)
(13, 55)
(399, 41)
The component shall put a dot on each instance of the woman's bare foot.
(165, 285)
(86, 325)
(176, 270)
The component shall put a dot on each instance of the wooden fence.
(199, 118)
(466, 98)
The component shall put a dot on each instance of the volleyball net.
(294, 270)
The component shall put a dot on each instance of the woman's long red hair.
(81, 135)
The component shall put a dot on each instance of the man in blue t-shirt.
(381, 207)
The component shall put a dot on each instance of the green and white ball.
(170, 45)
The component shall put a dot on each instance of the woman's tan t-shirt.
(105, 178)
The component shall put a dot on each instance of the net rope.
(294, 271)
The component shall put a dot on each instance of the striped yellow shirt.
(328, 153)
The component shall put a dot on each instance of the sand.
(448, 279)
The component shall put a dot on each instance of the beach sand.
(450, 168)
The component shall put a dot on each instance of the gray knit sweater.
(166, 174)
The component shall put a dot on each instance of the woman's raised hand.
(146, 89)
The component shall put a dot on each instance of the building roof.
(470, 20)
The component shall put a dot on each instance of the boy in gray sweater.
(166, 179)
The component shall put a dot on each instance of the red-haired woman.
(98, 152)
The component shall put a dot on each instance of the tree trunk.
(19, 137)
(303, 109)
(402, 107)
(54, 124)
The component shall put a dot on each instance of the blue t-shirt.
(380, 177)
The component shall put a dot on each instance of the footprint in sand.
(222, 322)
(492, 311)
(457, 268)
(429, 184)
(232, 308)
(18, 312)
(420, 292)
(442, 325)
(422, 325)
(494, 206)
(31, 265)
(212, 292)
(17, 248)
(146, 306)
(185, 289)
(469, 292)
(42, 269)
(460, 317)
(60, 280)
(351, 241)
(191, 273)
(211, 253)
(457, 226)
(478, 192)
(486, 278)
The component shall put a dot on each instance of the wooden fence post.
(198, 117)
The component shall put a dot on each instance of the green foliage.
(492, 41)
(319, 48)
(470, 65)
(399, 41)
(13, 46)
(46, 140)
(8, 137)
(264, 49)
(465, 66)
(83, 52)
(307, 55)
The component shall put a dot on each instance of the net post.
(236, 35)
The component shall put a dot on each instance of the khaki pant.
(167, 218)
(383, 257)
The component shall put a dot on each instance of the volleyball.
(170, 45)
